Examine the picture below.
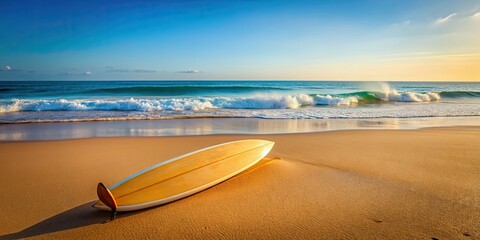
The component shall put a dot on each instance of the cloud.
(476, 15)
(189, 71)
(9, 69)
(70, 73)
(143, 71)
(118, 70)
(124, 70)
(402, 24)
(445, 19)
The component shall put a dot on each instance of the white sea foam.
(329, 100)
(267, 102)
(272, 102)
(407, 97)
(386, 92)
(291, 101)
(445, 109)
(202, 103)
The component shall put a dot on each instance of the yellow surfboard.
(182, 176)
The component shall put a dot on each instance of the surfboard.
(182, 176)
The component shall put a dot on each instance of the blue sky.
(322, 40)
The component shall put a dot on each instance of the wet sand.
(361, 184)
(214, 126)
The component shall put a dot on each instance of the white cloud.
(189, 71)
(118, 70)
(7, 68)
(476, 15)
(87, 73)
(143, 71)
(404, 23)
(124, 70)
(445, 19)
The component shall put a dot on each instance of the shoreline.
(422, 184)
(215, 126)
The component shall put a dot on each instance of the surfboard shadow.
(80, 216)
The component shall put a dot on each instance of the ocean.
(71, 101)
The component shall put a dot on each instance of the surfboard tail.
(107, 198)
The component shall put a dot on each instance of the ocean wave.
(179, 90)
(447, 109)
(460, 94)
(368, 97)
(202, 103)
(375, 97)
(5, 89)
(132, 104)
(386, 93)
(408, 96)
(106, 105)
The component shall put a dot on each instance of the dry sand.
(373, 184)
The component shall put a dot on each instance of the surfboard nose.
(269, 147)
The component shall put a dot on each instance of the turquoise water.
(52, 101)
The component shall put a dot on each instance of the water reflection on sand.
(206, 126)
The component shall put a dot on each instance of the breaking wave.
(202, 103)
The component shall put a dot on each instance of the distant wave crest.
(460, 94)
(178, 90)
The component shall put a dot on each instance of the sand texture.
(365, 184)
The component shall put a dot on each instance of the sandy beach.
(359, 184)
(373, 106)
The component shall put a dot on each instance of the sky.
(386, 40)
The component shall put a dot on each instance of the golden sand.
(371, 184)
